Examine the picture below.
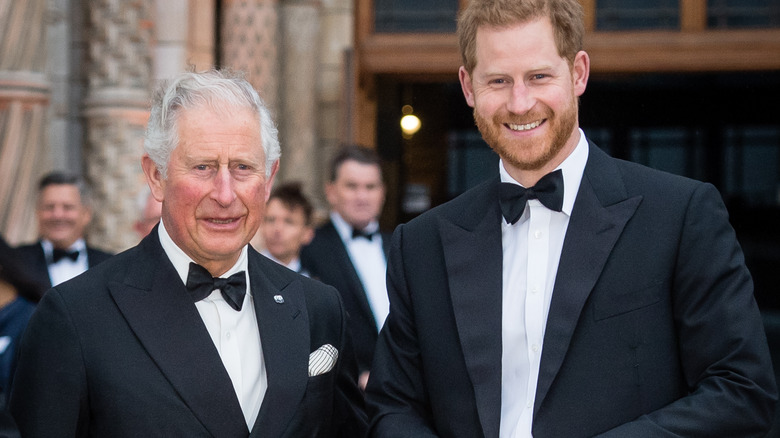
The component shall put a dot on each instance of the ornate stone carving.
(116, 109)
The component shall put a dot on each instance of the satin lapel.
(342, 256)
(473, 257)
(284, 334)
(160, 312)
(40, 266)
(600, 214)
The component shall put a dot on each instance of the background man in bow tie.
(616, 303)
(349, 252)
(63, 211)
(150, 343)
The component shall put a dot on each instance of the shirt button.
(538, 234)
(535, 348)
(534, 290)
(529, 405)
(227, 335)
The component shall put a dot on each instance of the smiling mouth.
(221, 221)
(526, 127)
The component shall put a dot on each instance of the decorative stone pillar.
(116, 110)
(249, 44)
(24, 98)
(300, 25)
(201, 40)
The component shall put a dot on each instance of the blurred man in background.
(349, 252)
(63, 211)
(287, 226)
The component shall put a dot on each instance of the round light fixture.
(410, 123)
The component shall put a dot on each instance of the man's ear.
(466, 85)
(269, 184)
(308, 235)
(153, 177)
(580, 72)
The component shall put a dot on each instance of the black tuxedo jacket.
(33, 259)
(121, 351)
(326, 259)
(653, 329)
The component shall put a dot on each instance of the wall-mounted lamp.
(410, 123)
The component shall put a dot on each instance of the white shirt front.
(369, 261)
(532, 250)
(65, 268)
(234, 333)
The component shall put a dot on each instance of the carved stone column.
(24, 98)
(249, 44)
(116, 111)
(300, 25)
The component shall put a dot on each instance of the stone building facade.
(75, 96)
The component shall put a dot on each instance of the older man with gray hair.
(193, 332)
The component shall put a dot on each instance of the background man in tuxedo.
(63, 211)
(349, 252)
(150, 344)
(287, 226)
(609, 300)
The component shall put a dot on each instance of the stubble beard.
(529, 154)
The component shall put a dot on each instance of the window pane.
(637, 14)
(470, 161)
(724, 14)
(675, 150)
(415, 15)
(752, 163)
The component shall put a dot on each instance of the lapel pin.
(279, 299)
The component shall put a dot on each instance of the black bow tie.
(200, 283)
(362, 233)
(549, 191)
(59, 254)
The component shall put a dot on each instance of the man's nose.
(521, 99)
(224, 191)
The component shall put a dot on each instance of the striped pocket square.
(322, 360)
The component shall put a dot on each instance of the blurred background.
(687, 86)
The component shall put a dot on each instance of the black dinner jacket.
(653, 330)
(122, 351)
(33, 259)
(326, 259)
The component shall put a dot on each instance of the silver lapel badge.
(279, 299)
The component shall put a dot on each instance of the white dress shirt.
(532, 250)
(234, 333)
(65, 268)
(369, 261)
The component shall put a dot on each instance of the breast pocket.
(617, 300)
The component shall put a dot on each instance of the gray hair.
(219, 90)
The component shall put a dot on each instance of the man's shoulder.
(97, 255)
(29, 248)
(325, 236)
(314, 290)
(470, 204)
(111, 269)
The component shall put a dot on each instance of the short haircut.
(291, 195)
(566, 16)
(222, 91)
(59, 177)
(361, 154)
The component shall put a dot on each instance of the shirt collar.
(345, 230)
(181, 261)
(573, 168)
